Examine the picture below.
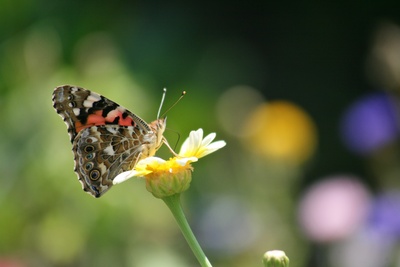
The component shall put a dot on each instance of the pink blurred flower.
(333, 208)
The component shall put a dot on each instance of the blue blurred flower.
(370, 123)
(385, 214)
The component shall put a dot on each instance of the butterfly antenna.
(162, 102)
(176, 102)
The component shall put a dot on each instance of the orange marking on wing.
(79, 126)
(96, 118)
(93, 119)
(123, 122)
(126, 122)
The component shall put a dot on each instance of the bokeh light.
(281, 130)
(370, 123)
(234, 108)
(227, 226)
(384, 217)
(383, 65)
(363, 248)
(333, 208)
(376, 237)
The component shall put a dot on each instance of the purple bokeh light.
(385, 214)
(370, 123)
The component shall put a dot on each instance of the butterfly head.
(158, 126)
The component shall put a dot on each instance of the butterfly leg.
(164, 140)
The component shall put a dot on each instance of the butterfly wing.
(107, 138)
(103, 152)
(81, 108)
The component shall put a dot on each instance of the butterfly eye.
(89, 156)
(94, 175)
(89, 166)
(88, 149)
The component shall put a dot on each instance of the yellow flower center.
(156, 169)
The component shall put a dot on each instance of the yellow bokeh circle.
(281, 130)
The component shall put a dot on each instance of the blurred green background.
(302, 93)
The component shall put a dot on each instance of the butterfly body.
(107, 139)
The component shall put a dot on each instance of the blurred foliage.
(231, 58)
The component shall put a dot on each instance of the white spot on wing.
(93, 97)
(87, 103)
(121, 109)
(112, 130)
(76, 111)
(109, 150)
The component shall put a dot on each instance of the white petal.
(212, 148)
(122, 177)
(196, 146)
(208, 139)
(147, 161)
(192, 143)
(195, 139)
(184, 147)
(216, 145)
(198, 133)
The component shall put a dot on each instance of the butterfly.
(107, 139)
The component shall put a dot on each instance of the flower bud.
(167, 183)
(275, 258)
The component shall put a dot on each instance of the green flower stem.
(174, 204)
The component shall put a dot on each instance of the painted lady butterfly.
(106, 138)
